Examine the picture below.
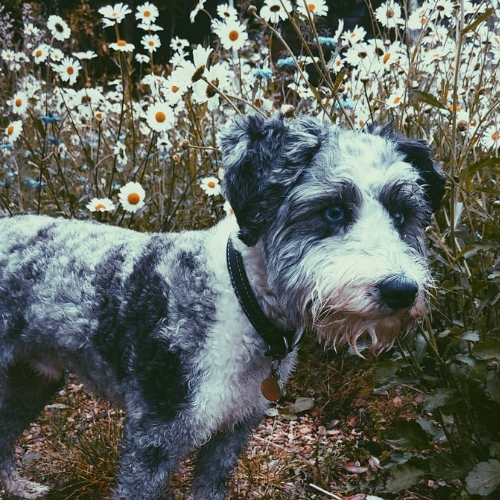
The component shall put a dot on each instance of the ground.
(321, 442)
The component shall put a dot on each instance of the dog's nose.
(398, 292)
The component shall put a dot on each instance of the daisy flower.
(226, 11)
(211, 186)
(122, 46)
(41, 53)
(193, 71)
(68, 70)
(151, 42)
(147, 13)
(491, 137)
(132, 196)
(419, 19)
(174, 87)
(114, 14)
(274, 11)
(85, 56)
(100, 205)
(31, 30)
(120, 151)
(14, 130)
(356, 35)
(56, 55)
(395, 99)
(313, 7)
(178, 43)
(160, 117)
(389, 14)
(232, 34)
(20, 103)
(142, 58)
(58, 28)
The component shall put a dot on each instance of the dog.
(192, 333)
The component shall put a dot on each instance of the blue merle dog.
(328, 234)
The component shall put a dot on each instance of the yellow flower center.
(10, 129)
(38, 53)
(160, 116)
(386, 57)
(211, 184)
(151, 43)
(121, 43)
(396, 100)
(234, 35)
(18, 102)
(175, 88)
(311, 7)
(70, 70)
(133, 198)
(146, 13)
(99, 206)
(495, 135)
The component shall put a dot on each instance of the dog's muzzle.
(398, 292)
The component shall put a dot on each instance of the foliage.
(82, 125)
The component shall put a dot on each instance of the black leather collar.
(279, 342)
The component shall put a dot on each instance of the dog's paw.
(23, 488)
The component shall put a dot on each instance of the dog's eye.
(399, 218)
(335, 213)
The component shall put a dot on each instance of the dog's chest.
(233, 366)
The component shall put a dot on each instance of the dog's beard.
(337, 323)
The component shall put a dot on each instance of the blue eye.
(335, 213)
(399, 218)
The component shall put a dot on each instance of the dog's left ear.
(417, 152)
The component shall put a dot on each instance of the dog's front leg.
(149, 454)
(217, 459)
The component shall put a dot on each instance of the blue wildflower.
(327, 41)
(348, 103)
(33, 182)
(50, 118)
(286, 62)
(263, 73)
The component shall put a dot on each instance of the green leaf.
(472, 26)
(484, 478)
(301, 405)
(419, 95)
(484, 163)
(403, 477)
(489, 349)
(440, 397)
(493, 388)
(384, 371)
(449, 466)
(407, 434)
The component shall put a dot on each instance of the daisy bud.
(252, 10)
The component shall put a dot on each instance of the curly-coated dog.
(188, 332)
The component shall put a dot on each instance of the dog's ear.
(262, 158)
(417, 152)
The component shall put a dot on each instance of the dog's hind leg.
(217, 459)
(23, 394)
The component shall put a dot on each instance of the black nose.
(398, 292)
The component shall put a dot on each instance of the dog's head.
(340, 216)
